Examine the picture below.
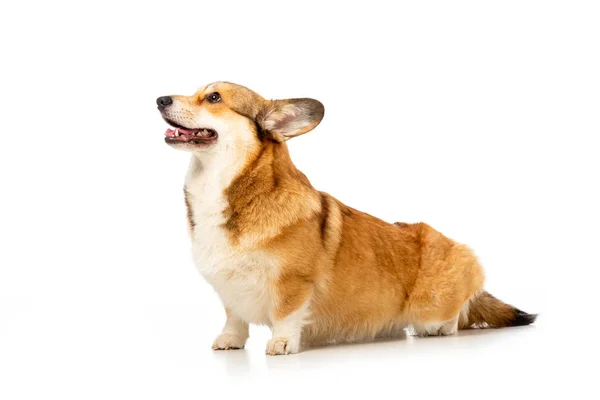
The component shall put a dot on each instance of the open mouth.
(180, 134)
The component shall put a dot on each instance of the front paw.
(228, 341)
(281, 346)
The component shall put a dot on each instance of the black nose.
(164, 101)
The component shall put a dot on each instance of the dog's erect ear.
(285, 119)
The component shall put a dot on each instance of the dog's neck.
(260, 195)
(266, 172)
(213, 169)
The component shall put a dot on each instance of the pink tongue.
(183, 132)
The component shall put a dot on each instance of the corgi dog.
(280, 253)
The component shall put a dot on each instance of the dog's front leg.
(234, 334)
(289, 314)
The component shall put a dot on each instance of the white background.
(480, 118)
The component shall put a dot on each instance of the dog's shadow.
(396, 347)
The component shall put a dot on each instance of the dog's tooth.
(176, 132)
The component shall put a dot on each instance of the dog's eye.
(214, 97)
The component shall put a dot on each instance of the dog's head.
(224, 116)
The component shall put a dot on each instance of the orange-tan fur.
(334, 273)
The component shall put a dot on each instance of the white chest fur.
(239, 275)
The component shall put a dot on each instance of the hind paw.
(446, 328)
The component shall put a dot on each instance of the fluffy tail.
(484, 310)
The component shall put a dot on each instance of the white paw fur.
(282, 346)
(228, 341)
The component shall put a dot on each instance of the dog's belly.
(240, 277)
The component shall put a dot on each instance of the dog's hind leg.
(445, 328)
